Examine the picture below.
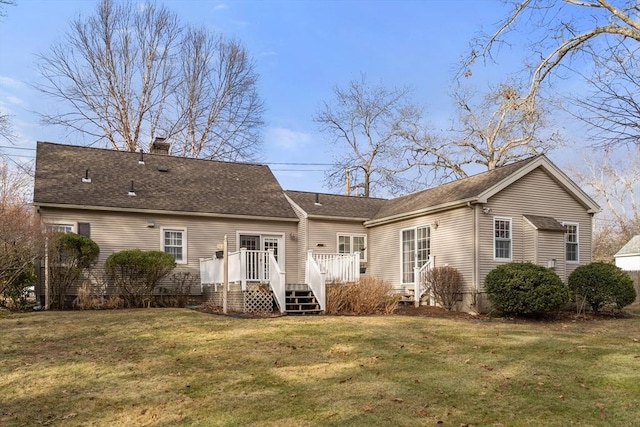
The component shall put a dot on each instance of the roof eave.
(162, 212)
(420, 212)
(338, 218)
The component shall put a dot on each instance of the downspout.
(476, 257)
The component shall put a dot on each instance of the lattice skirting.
(251, 301)
(258, 301)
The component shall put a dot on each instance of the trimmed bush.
(70, 256)
(446, 285)
(525, 289)
(136, 273)
(602, 284)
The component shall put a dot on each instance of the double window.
(415, 249)
(571, 242)
(350, 243)
(174, 242)
(59, 228)
(502, 239)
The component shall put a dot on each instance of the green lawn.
(162, 367)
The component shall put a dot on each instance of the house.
(298, 241)
(628, 257)
(153, 201)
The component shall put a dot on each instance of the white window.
(502, 239)
(174, 242)
(571, 242)
(350, 243)
(415, 248)
(60, 228)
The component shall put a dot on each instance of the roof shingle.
(333, 205)
(188, 185)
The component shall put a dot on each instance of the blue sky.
(301, 49)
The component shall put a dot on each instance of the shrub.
(178, 293)
(525, 289)
(136, 273)
(601, 283)
(70, 256)
(445, 283)
(366, 296)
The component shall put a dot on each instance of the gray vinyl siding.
(323, 234)
(302, 239)
(116, 231)
(535, 194)
(551, 246)
(530, 235)
(451, 244)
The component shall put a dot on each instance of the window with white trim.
(60, 228)
(502, 239)
(174, 242)
(571, 242)
(415, 247)
(350, 243)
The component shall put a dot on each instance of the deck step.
(299, 300)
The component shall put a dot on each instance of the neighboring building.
(526, 211)
(628, 257)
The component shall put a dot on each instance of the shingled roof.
(162, 183)
(333, 205)
(460, 190)
(632, 247)
(544, 223)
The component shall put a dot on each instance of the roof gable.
(163, 183)
(476, 189)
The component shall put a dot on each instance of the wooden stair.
(301, 301)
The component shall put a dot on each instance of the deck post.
(416, 286)
(225, 288)
(243, 268)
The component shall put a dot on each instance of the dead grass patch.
(182, 367)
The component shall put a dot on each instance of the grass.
(161, 367)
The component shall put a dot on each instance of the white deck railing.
(315, 279)
(244, 266)
(340, 268)
(419, 279)
(277, 281)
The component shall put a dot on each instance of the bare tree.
(121, 78)
(370, 122)
(566, 32)
(492, 131)
(614, 180)
(611, 108)
(4, 3)
(6, 130)
(220, 106)
(20, 240)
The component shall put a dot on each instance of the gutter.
(163, 212)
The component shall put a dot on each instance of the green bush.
(136, 273)
(70, 256)
(601, 284)
(525, 289)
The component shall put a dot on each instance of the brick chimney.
(158, 146)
